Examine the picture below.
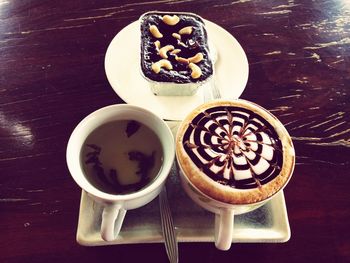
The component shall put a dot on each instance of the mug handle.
(224, 221)
(112, 220)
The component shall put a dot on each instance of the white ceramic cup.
(115, 206)
(224, 213)
(224, 201)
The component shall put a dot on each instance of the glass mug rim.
(113, 113)
(264, 112)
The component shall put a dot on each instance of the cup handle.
(112, 220)
(224, 228)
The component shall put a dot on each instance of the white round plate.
(122, 66)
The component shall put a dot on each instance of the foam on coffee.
(235, 151)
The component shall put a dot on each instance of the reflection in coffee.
(121, 157)
(237, 145)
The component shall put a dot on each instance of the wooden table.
(52, 75)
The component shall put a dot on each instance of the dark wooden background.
(52, 75)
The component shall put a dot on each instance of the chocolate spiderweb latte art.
(234, 147)
(235, 151)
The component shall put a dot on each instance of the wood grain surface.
(52, 75)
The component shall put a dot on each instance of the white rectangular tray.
(268, 224)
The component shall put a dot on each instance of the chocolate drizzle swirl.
(234, 146)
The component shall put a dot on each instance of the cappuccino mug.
(234, 156)
(102, 186)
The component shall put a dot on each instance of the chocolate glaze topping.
(196, 42)
(234, 146)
